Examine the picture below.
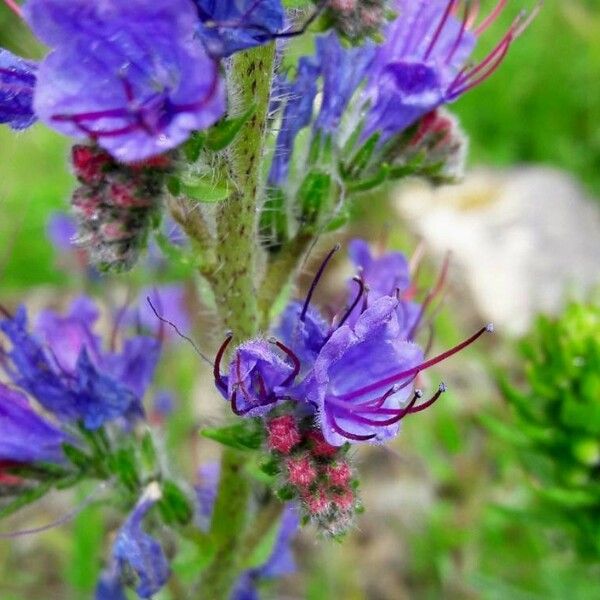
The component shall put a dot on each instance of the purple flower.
(25, 436)
(296, 115)
(384, 275)
(129, 75)
(303, 330)
(136, 551)
(367, 355)
(17, 82)
(423, 62)
(343, 70)
(63, 366)
(228, 26)
(259, 376)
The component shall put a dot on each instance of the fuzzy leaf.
(245, 435)
(224, 132)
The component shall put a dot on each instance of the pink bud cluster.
(115, 204)
(319, 474)
(439, 138)
(357, 19)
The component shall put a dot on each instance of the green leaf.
(194, 145)
(365, 185)
(313, 196)
(286, 493)
(245, 435)
(174, 505)
(78, 458)
(224, 132)
(362, 157)
(205, 190)
(26, 497)
(123, 465)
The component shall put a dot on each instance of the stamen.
(292, 357)
(12, 5)
(441, 389)
(181, 335)
(219, 381)
(351, 436)
(437, 288)
(489, 20)
(316, 279)
(361, 290)
(460, 35)
(418, 368)
(440, 28)
(467, 79)
(473, 14)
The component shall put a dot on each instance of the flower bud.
(283, 434)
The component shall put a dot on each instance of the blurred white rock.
(523, 240)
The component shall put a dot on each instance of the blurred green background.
(543, 106)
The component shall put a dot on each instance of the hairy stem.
(234, 279)
(229, 521)
(234, 282)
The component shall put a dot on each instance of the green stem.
(229, 522)
(234, 282)
(234, 279)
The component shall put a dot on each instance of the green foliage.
(557, 417)
(245, 434)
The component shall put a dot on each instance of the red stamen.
(219, 381)
(351, 436)
(12, 5)
(417, 369)
(292, 356)
(460, 35)
(437, 288)
(489, 20)
(429, 402)
(440, 28)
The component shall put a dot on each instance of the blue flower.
(343, 69)
(129, 75)
(135, 551)
(63, 366)
(423, 62)
(303, 329)
(17, 82)
(228, 26)
(297, 114)
(25, 436)
(258, 377)
(384, 275)
(367, 355)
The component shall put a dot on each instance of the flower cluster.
(318, 474)
(356, 373)
(384, 90)
(61, 368)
